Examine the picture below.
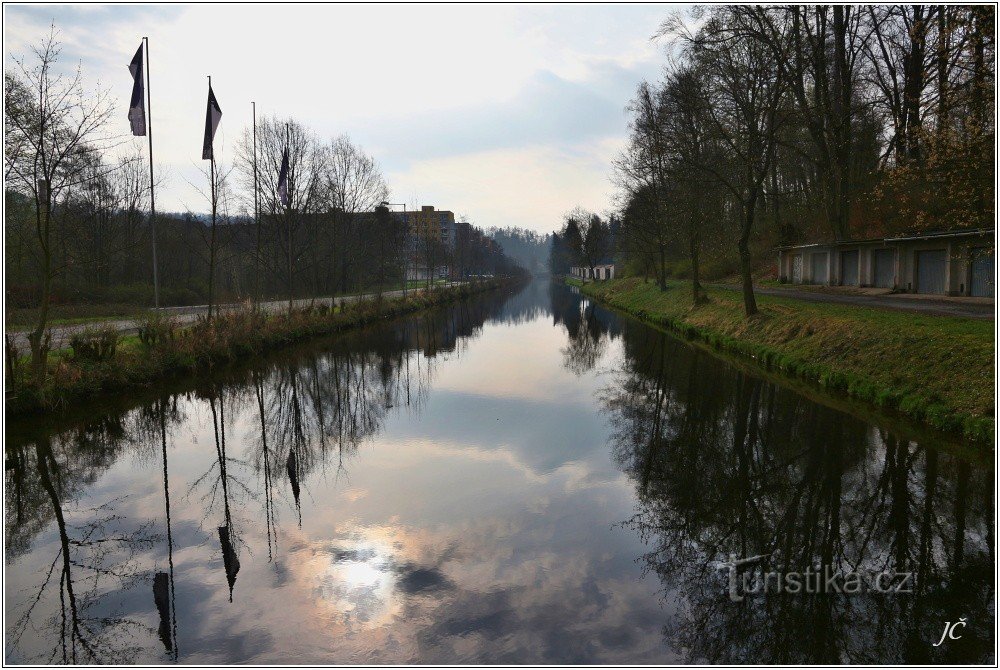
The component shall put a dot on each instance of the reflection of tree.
(727, 464)
(313, 408)
(589, 328)
(96, 556)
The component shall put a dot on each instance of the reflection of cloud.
(354, 494)
(536, 371)
(475, 593)
(412, 579)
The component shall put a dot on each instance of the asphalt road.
(973, 308)
(61, 335)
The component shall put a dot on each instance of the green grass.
(935, 369)
(164, 349)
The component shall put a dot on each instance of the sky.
(507, 115)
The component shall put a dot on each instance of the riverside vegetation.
(938, 370)
(102, 360)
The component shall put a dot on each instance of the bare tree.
(735, 52)
(47, 148)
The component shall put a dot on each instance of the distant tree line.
(525, 247)
(77, 222)
(779, 124)
(584, 240)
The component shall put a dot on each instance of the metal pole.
(288, 222)
(211, 250)
(152, 198)
(406, 251)
(256, 201)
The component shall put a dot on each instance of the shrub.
(155, 328)
(95, 345)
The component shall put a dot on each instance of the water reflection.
(475, 485)
(724, 464)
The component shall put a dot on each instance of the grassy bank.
(102, 361)
(935, 369)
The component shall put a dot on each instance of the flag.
(212, 117)
(283, 179)
(137, 105)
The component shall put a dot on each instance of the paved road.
(61, 335)
(974, 308)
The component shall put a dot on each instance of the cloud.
(509, 114)
(529, 187)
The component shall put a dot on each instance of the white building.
(601, 271)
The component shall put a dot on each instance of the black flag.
(137, 106)
(283, 179)
(212, 117)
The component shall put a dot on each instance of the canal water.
(525, 477)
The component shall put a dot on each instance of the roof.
(929, 235)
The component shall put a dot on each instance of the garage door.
(982, 273)
(849, 268)
(930, 271)
(884, 272)
(797, 269)
(819, 266)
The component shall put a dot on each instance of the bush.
(155, 328)
(95, 345)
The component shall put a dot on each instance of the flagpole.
(211, 251)
(152, 198)
(256, 201)
(288, 223)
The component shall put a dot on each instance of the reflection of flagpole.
(268, 501)
(152, 199)
(170, 539)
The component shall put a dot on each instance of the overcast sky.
(509, 115)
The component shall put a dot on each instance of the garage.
(981, 285)
(819, 269)
(930, 271)
(884, 271)
(849, 268)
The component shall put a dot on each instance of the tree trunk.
(695, 279)
(662, 277)
(981, 17)
(841, 124)
(749, 302)
(36, 339)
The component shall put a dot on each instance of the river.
(524, 477)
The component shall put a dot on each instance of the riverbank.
(103, 361)
(935, 369)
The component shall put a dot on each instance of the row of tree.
(585, 240)
(77, 201)
(780, 123)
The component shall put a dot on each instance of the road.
(973, 308)
(61, 335)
